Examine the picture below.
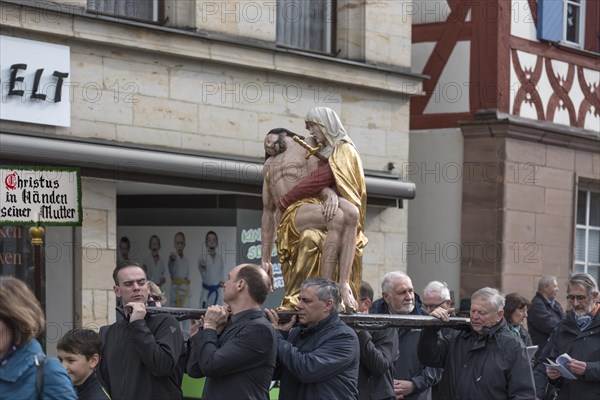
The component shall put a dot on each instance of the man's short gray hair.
(437, 287)
(387, 284)
(545, 281)
(326, 289)
(489, 294)
(585, 280)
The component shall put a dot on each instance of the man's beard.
(405, 308)
(580, 312)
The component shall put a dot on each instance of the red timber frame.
(491, 50)
(576, 60)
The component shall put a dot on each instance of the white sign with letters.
(46, 195)
(34, 80)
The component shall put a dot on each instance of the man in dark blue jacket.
(412, 379)
(319, 358)
(542, 317)
(545, 312)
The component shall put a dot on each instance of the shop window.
(307, 25)
(587, 233)
(50, 277)
(16, 258)
(144, 10)
(561, 21)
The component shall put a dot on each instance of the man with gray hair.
(578, 335)
(545, 312)
(412, 379)
(319, 358)
(436, 294)
(485, 362)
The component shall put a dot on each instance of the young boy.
(79, 352)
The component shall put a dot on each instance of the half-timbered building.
(504, 146)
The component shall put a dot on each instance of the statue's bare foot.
(348, 300)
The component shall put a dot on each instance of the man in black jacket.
(412, 379)
(378, 353)
(578, 335)
(236, 353)
(486, 362)
(545, 312)
(143, 356)
(319, 358)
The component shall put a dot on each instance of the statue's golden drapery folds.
(300, 252)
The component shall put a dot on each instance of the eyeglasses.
(579, 297)
(433, 307)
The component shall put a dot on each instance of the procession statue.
(314, 199)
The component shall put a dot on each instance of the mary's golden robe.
(300, 252)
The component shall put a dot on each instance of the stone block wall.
(98, 252)
(481, 213)
(377, 31)
(155, 88)
(540, 211)
(250, 19)
(386, 230)
(519, 204)
(388, 32)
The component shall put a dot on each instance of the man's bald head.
(257, 281)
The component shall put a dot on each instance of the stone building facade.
(160, 108)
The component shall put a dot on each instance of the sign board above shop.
(44, 195)
(34, 81)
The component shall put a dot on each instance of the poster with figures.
(188, 263)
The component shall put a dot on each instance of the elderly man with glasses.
(436, 294)
(578, 335)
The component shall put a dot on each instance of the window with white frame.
(573, 22)
(307, 24)
(587, 233)
(562, 21)
(145, 10)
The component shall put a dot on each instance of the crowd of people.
(241, 348)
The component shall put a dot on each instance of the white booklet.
(561, 366)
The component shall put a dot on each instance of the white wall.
(434, 216)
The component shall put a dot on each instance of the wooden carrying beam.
(356, 321)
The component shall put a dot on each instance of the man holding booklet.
(575, 344)
(561, 366)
